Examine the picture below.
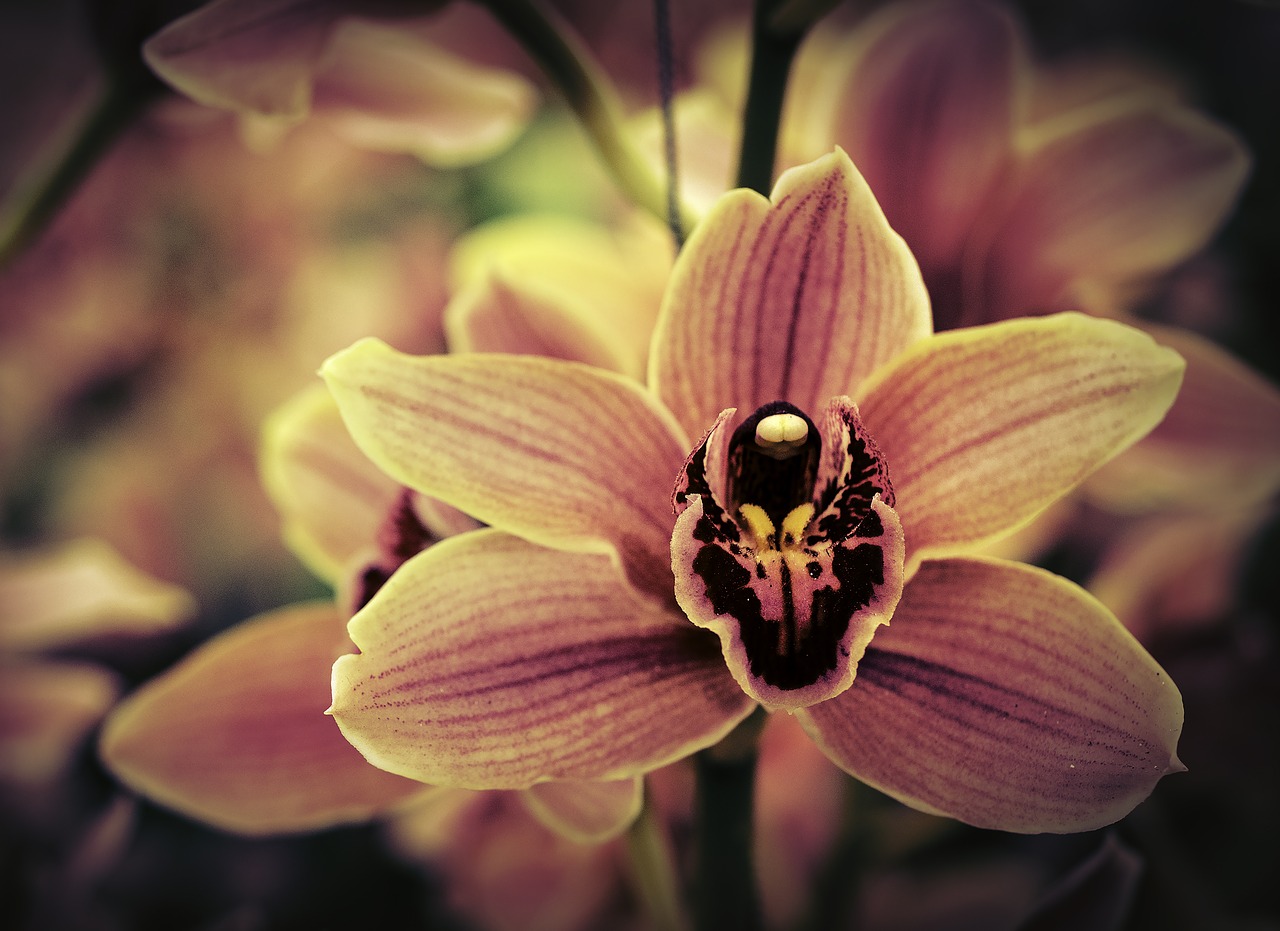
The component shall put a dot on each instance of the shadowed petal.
(588, 812)
(554, 286)
(245, 54)
(926, 112)
(331, 498)
(1218, 447)
(983, 428)
(796, 300)
(236, 735)
(1110, 195)
(389, 90)
(83, 591)
(489, 662)
(1008, 698)
(46, 711)
(559, 453)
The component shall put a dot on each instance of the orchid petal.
(331, 498)
(1006, 697)
(505, 871)
(501, 315)
(235, 734)
(251, 55)
(1168, 574)
(46, 711)
(588, 812)
(559, 453)
(1108, 195)
(561, 287)
(387, 89)
(490, 662)
(796, 300)
(985, 427)
(926, 111)
(83, 591)
(1222, 433)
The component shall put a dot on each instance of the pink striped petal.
(588, 812)
(1006, 697)
(796, 300)
(1218, 447)
(1108, 195)
(983, 428)
(926, 112)
(235, 735)
(559, 453)
(490, 662)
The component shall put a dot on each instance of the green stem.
(771, 55)
(37, 197)
(653, 868)
(725, 894)
(590, 94)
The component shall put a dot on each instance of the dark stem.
(588, 92)
(38, 196)
(771, 57)
(666, 91)
(725, 894)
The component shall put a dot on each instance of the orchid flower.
(848, 458)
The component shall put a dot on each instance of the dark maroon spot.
(780, 652)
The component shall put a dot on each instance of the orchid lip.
(787, 546)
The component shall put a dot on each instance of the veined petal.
(588, 812)
(1007, 697)
(926, 111)
(387, 89)
(1109, 194)
(559, 453)
(331, 497)
(236, 735)
(1218, 447)
(796, 300)
(984, 427)
(490, 662)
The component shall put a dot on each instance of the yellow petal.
(79, 592)
(559, 453)
(983, 428)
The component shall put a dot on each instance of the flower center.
(788, 547)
